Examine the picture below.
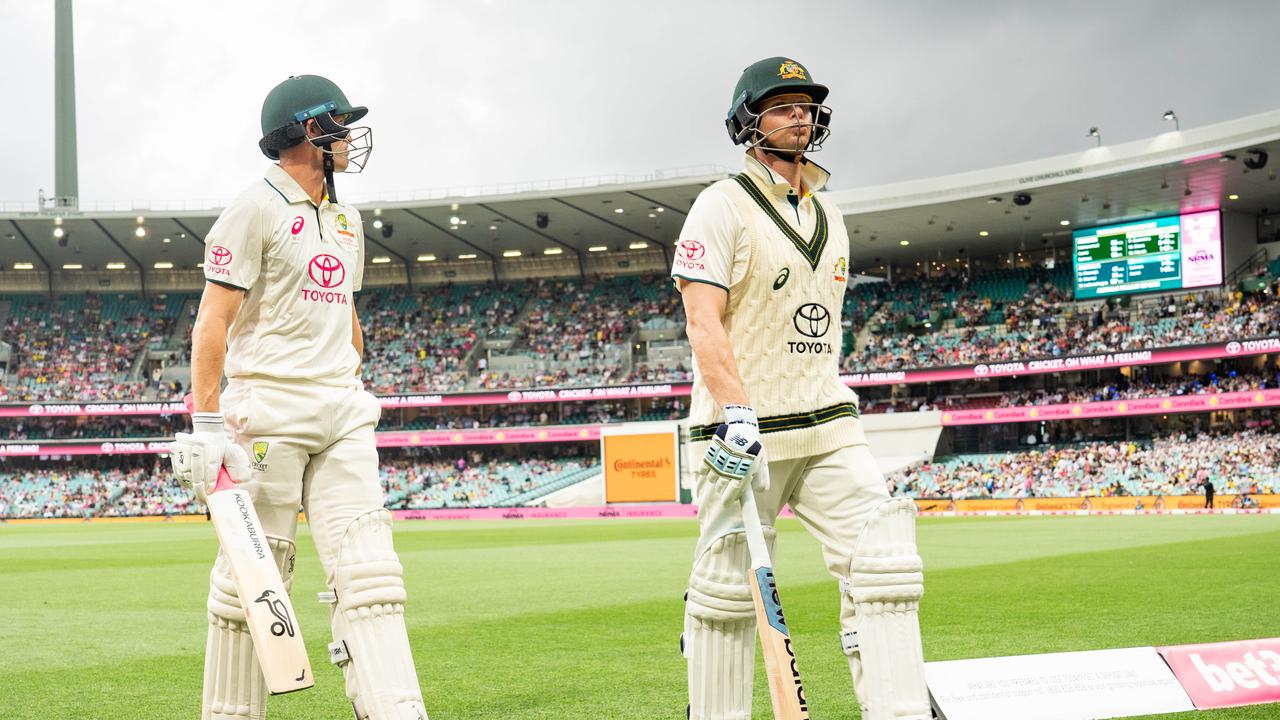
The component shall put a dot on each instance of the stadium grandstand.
(510, 331)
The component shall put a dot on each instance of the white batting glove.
(199, 454)
(735, 454)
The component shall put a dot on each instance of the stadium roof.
(1174, 172)
(605, 213)
(938, 217)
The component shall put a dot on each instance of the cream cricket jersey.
(783, 258)
(299, 266)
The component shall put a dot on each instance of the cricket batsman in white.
(294, 426)
(762, 265)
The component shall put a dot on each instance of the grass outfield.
(580, 619)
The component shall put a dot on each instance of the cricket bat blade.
(786, 689)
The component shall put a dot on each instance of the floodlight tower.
(66, 177)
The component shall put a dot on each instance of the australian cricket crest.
(344, 228)
(842, 271)
(791, 70)
(260, 455)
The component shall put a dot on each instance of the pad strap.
(849, 641)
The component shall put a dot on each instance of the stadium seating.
(1174, 465)
(82, 347)
(420, 341)
(87, 347)
(1242, 461)
(1049, 327)
(1120, 389)
(146, 486)
(495, 483)
(70, 492)
(578, 332)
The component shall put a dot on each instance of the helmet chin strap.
(328, 173)
(326, 124)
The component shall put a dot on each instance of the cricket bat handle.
(224, 478)
(756, 544)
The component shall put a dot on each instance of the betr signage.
(1227, 674)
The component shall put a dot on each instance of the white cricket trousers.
(831, 494)
(320, 456)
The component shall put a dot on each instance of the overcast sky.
(466, 93)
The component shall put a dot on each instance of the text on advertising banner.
(1087, 685)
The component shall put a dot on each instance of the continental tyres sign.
(639, 466)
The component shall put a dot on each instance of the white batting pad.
(371, 644)
(234, 688)
(880, 623)
(720, 631)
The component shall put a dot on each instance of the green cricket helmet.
(765, 79)
(300, 98)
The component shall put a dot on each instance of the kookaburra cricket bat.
(277, 639)
(785, 689)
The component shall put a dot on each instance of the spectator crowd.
(545, 333)
(1236, 462)
(1122, 388)
(118, 487)
(82, 347)
(1045, 324)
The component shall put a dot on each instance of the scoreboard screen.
(1165, 253)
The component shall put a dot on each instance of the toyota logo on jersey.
(812, 321)
(691, 250)
(688, 253)
(326, 271)
(219, 255)
(217, 262)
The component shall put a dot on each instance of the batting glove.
(199, 454)
(735, 453)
